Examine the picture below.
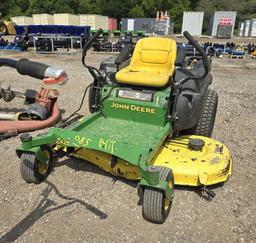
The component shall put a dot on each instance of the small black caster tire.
(34, 171)
(156, 207)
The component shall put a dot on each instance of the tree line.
(129, 8)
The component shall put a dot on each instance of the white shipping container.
(216, 19)
(43, 19)
(247, 28)
(193, 22)
(253, 28)
(66, 19)
(241, 29)
(94, 20)
(22, 20)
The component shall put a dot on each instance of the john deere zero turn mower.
(152, 118)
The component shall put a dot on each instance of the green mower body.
(132, 130)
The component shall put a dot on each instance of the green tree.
(54, 6)
(176, 13)
(246, 10)
(137, 12)
(116, 8)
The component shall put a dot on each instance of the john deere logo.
(133, 108)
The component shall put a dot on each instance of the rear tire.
(34, 171)
(156, 206)
(206, 123)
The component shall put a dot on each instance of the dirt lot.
(80, 203)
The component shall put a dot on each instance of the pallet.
(237, 56)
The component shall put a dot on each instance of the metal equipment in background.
(237, 52)
(6, 27)
(19, 44)
(56, 43)
(104, 44)
(54, 38)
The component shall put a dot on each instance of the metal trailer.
(51, 43)
(193, 22)
(136, 24)
(53, 29)
(215, 21)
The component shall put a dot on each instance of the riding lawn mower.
(152, 119)
(42, 108)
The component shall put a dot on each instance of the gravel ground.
(81, 203)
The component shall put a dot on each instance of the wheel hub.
(43, 167)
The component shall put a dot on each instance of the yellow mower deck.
(210, 166)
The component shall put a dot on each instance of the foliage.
(176, 12)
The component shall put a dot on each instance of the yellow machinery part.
(254, 54)
(103, 160)
(10, 28)
(210, 166)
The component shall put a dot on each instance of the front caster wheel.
(34, 171)
(156, 206)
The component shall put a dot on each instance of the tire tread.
(153, 200)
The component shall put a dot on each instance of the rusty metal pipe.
(26, 126)
(10, 116)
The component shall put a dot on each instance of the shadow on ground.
(46, 206)
(82, 165)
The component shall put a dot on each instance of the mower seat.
(152, 63)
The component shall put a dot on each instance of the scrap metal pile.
(42, 110)
(105, 44)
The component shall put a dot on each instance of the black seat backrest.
(181, 54)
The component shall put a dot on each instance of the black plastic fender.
(190, 101)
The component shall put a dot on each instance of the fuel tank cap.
(196, 144)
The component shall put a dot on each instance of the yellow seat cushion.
(152, 63)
